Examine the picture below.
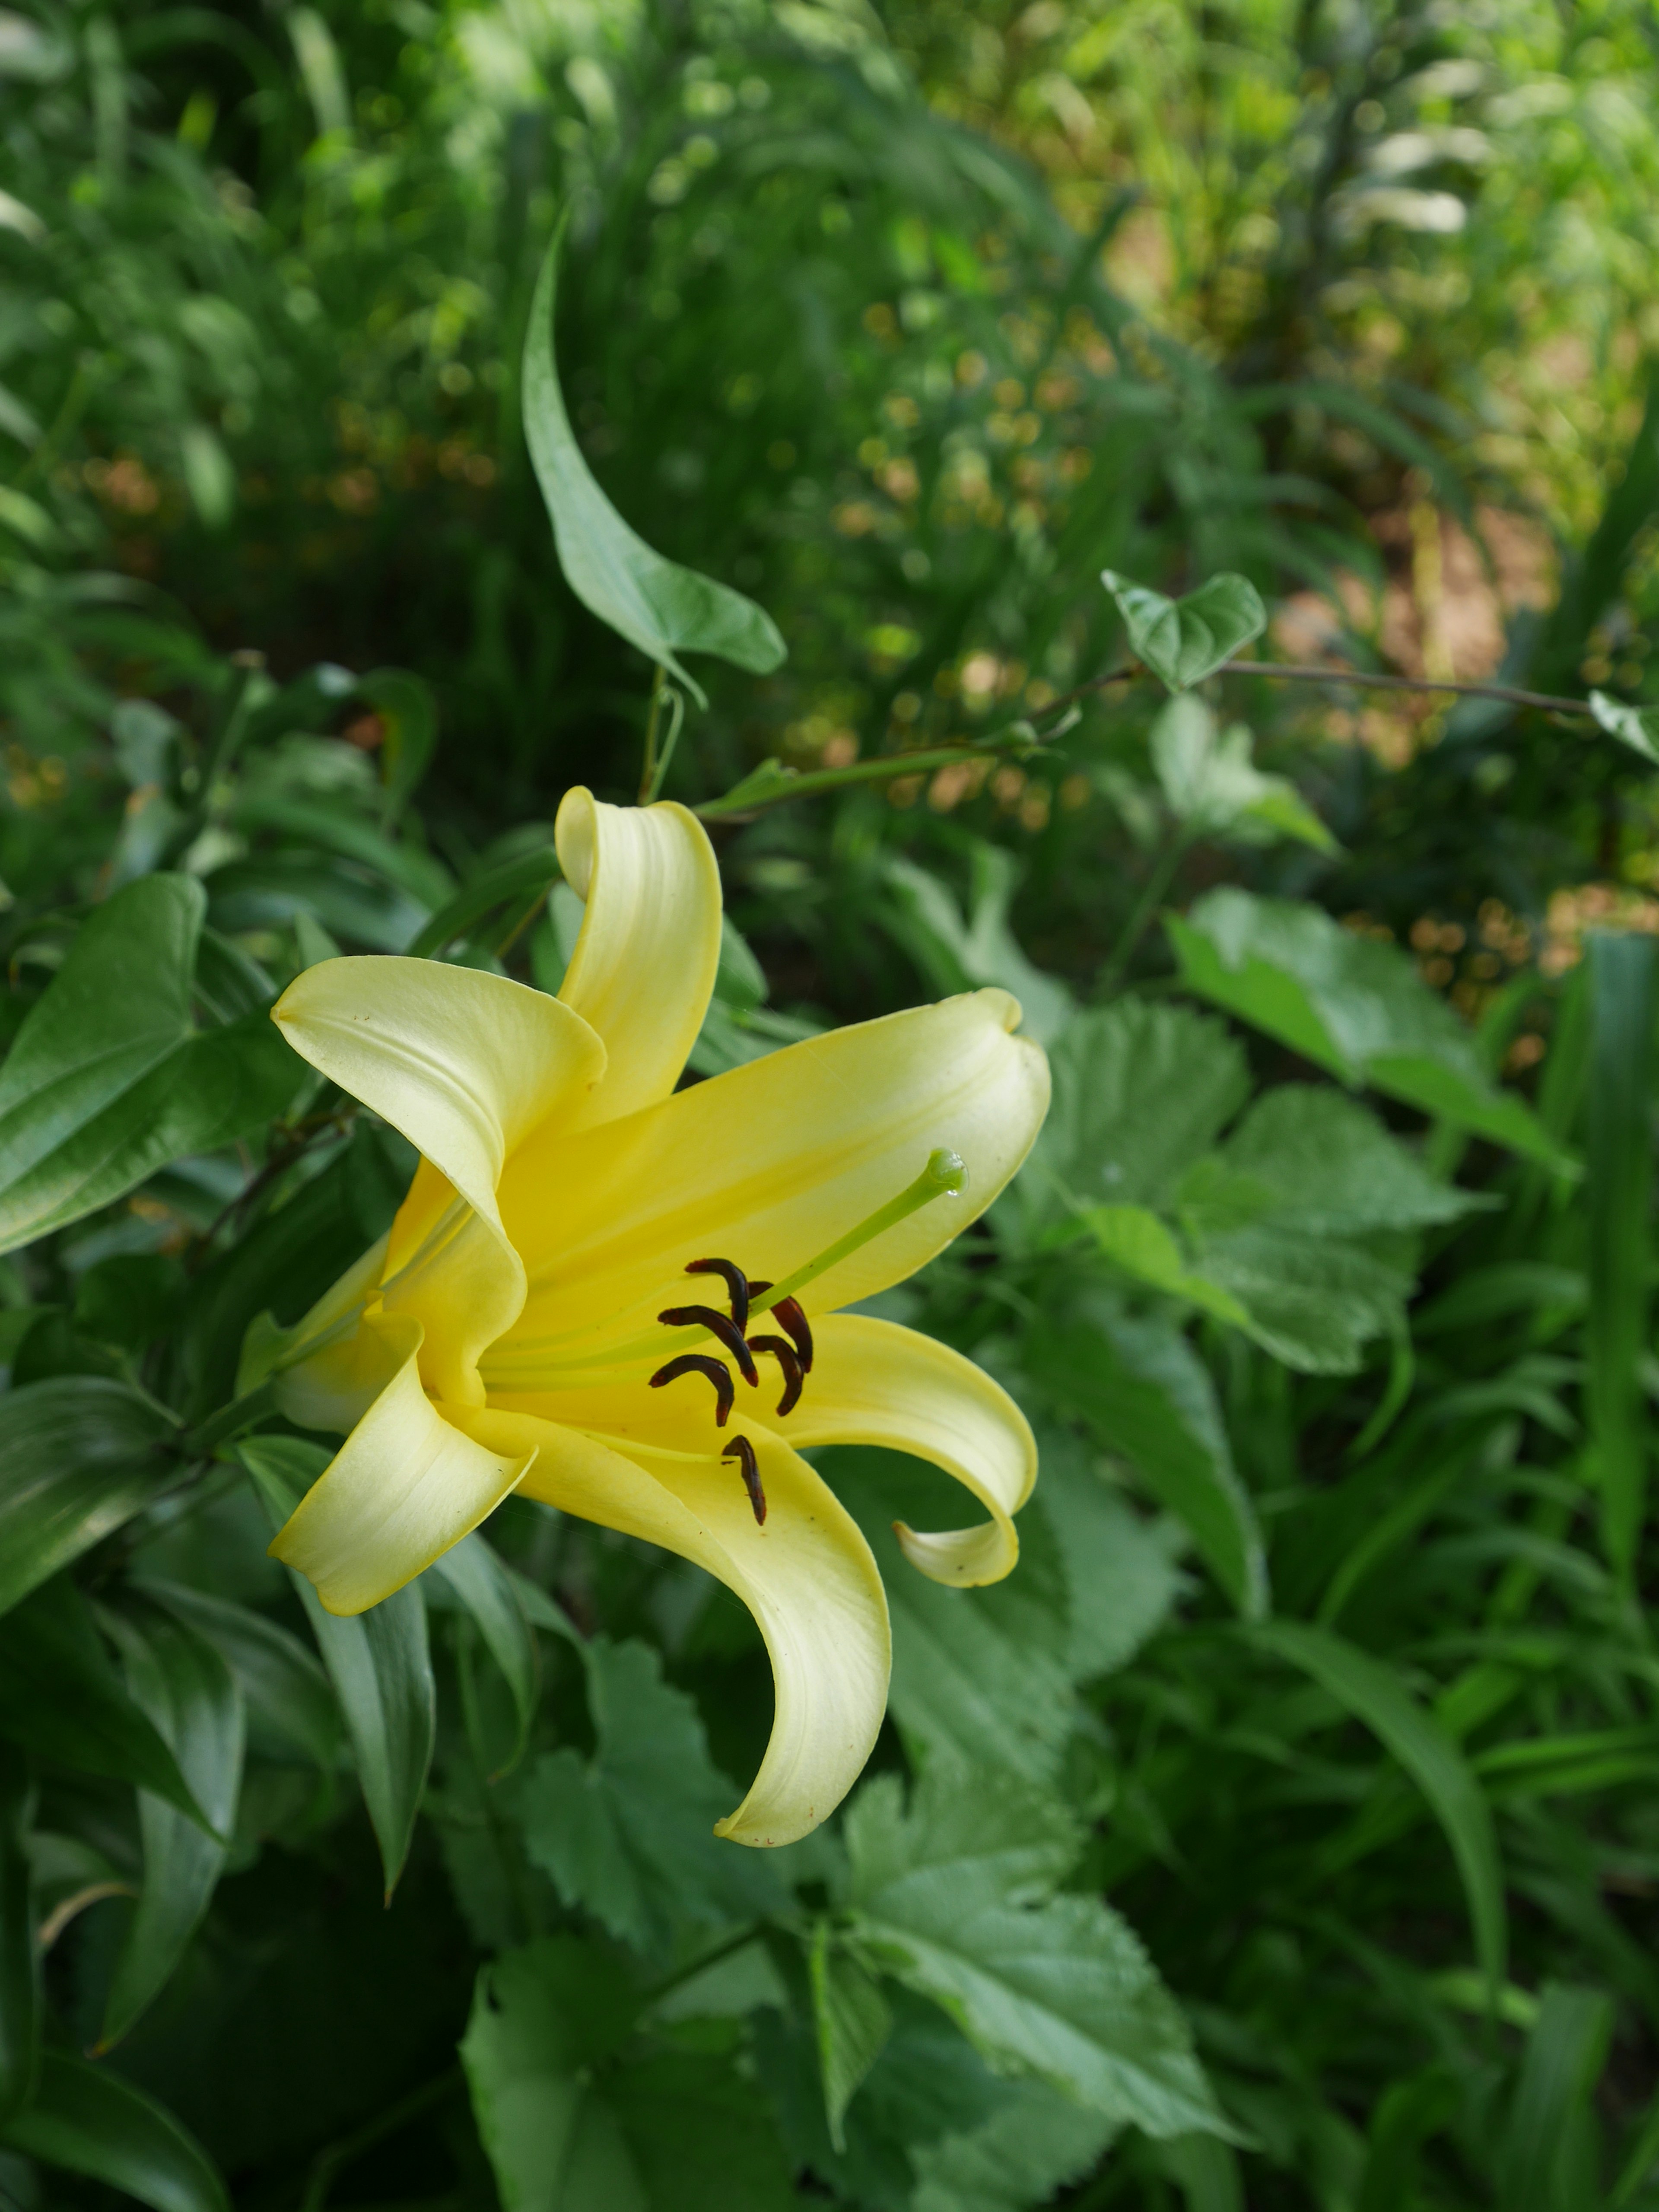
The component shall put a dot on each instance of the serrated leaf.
(1139, 1091)
(177, 1678)
(979, 1675)
(1145, 1394)
(1121, 1569)
(571, 2124)
(89, 2121)
(852, 2020)
(379, 1663)
(1333, 1169)
(1032, 2143)
(78, 1457)
(1350, 1004)
(958, 1898)
(1184, 641)
(109, 1079)
(629, 1835)
(656, 604)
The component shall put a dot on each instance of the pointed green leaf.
(89, 2121)
(1184, 641)
(62, 1700)
(1374, 1693)
(478, 1582)
(78, 1457)
(177, 1678)
(109, 1080)
(852, 2020)
(1635, 726)
(1550, 2157)
(379, 1663)
(654, 604)
(19, 1968)
(958, 1898)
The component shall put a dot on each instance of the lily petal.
(643, 970)
(767, 1165)
(874, 1382)
(404, 1486)
(807, 1576)
(464, 1064)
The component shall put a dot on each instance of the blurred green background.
(909, 320)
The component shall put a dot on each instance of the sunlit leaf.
(1184, 641)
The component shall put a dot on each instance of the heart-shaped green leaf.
(654, 604)
(1184, 641)
(1635, 726)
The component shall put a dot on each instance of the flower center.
(944, 1174)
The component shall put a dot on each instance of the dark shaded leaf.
(91, 2122)
(78, 1457)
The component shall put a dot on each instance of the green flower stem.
(230, 1420)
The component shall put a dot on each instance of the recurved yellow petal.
(767, 1166)
(464, 1064)
(644, 964)
(874, 1382)
(807, 1576)
(404, 1486)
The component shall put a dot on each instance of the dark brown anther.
(702, 1363)
(737, 1284)
(784, 1352)
(718, 1324)
(743, 1451)
(793, 1321)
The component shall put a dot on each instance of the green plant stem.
(1163, 875)
(649, 775)
(241, 1414)
(693, 1967)
(734, 806)
(328, 2162)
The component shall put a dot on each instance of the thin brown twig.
(1300, 672)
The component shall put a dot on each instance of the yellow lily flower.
(584, 1256)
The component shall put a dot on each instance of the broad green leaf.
(1350, 1004)
(1330, 1167)
(958, 1898)
(1184, 641)
(1121, 1569)
(1135, 1241)
(20, 1970)
(1314, 1302)
(63, 1702)
(92, 2122)
(1033, 2141)
(1635, 726)
(1550, 2160)
(1141, 1091)
(109, 1079)
(1145, 1394)
(379, 1663)
(979, 1676)
(1618, 1158)
(571, 2125)
(629, 1835)
(177, 1677)
(1213, 787)
(654, 604)
(1374, 1693)
(283, 1686)
(852, 2020)
(956, 955)
(78, 1457)
(481, 1585)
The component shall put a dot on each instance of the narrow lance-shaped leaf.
(78, 1457)
(178, 1679)
(1619, 1157)
(379, 1663)
(1374, 1694)
(91, 2122)
(20, 1972)
(62, 1700)
(480, 1584)
(653, 602)
(853, 2020)
(108, 1079)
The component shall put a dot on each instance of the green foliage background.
(1281, 1834)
